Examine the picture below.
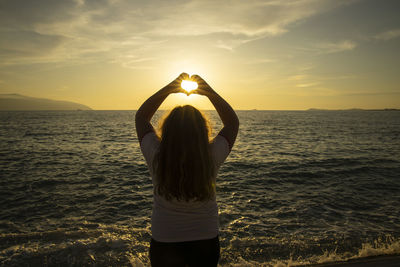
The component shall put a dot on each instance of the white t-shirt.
(179, 221)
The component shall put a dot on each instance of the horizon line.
(309, 109)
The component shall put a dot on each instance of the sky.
(257, 54)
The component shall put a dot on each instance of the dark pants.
(189, 253)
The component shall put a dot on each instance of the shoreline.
(370, 261)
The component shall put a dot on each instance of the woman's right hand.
(203, 87)
(175, 85)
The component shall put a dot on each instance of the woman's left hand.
(175, 85)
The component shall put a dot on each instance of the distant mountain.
(20, 102)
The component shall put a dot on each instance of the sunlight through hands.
(189, 85)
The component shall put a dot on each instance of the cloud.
(335, 47)
(119, 30)
(388, 35)
(303, 85)
(231, 42)
(24, 15)
(303, 80)
(248, 18)
(261, 61)
(63, 88)
(21, 47)
(29, 42)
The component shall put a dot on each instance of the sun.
(189, 85)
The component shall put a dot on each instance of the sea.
(299, 187)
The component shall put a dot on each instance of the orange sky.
(257, 54)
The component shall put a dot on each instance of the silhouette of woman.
(183, 163)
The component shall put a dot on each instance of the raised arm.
(225, 111)
(150, 106)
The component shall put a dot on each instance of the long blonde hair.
(184, 166)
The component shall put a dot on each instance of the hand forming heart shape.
(190, 85)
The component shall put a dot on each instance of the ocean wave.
(379, 247)
(105, 245)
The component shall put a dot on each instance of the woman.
(183, 164)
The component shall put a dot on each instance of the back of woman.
(183, 164)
